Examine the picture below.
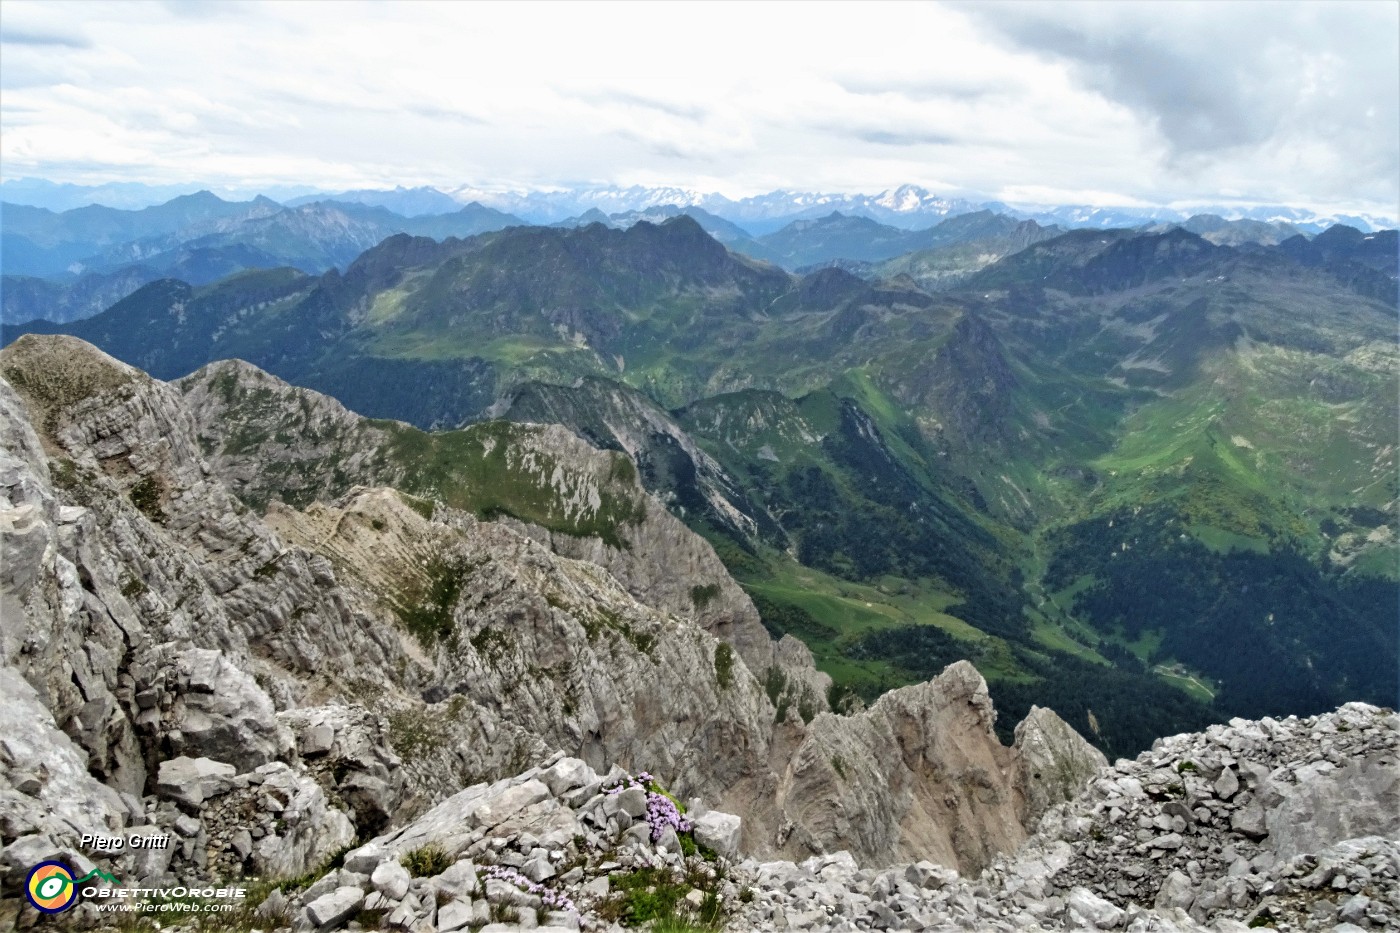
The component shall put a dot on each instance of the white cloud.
(1127, 102)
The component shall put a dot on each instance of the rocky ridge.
(562, 847)
(267, 689)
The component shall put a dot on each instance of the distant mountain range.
(906, 206)
(67, 265)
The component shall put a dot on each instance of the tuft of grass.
(427, 861)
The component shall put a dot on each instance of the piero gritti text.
(105, 843)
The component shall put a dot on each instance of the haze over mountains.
(981, 446)
(71, 263)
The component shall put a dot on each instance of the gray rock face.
(349, 748)
(929, 750)
(1055, 762)
(311, 828)
(222, 713)
(308, 447)
(1309, 817)
(38, 827)
(1248, 842)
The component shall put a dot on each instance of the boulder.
(224, 714)
(312, 829)
(391, 879)
(191, 781)
(454, 915)
(1093, 911)
(567, 774)
(1055, 762)
(719, 832)
(335, 908)
(1361, 798)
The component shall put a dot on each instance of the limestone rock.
(391, 879)
(857, 781)
(1055, 762)
(719, 831)
(311, 829)
(331, 909)
(191, 781)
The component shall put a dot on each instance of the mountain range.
(68, 265)
(1139, 477)
(907, 206)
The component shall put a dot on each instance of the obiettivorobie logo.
(52, 888)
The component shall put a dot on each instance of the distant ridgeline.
(1139, 477)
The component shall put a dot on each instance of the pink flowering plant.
(662, 809)
(549, 898)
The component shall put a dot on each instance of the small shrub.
(648, 894)
(426, 862)
(64, 472)
(146, 494)
(1186, 767)
(424, 507)
(492, 644)
(724, 665)
(774, 684)
(702, 596)
(414, 732)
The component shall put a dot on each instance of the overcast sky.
(1110, 103)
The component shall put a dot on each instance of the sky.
(1130, 103)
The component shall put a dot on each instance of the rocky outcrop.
(170, 621)
(920, 775)
(1231, 823)
(268, 440)
(561, 847)
(511, 639)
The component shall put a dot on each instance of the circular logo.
(50, 887)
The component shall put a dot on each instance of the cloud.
(676, 109)
(1129, 102)
(941, 87)
(1213, 77)
(905, 138)
(9, 36)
